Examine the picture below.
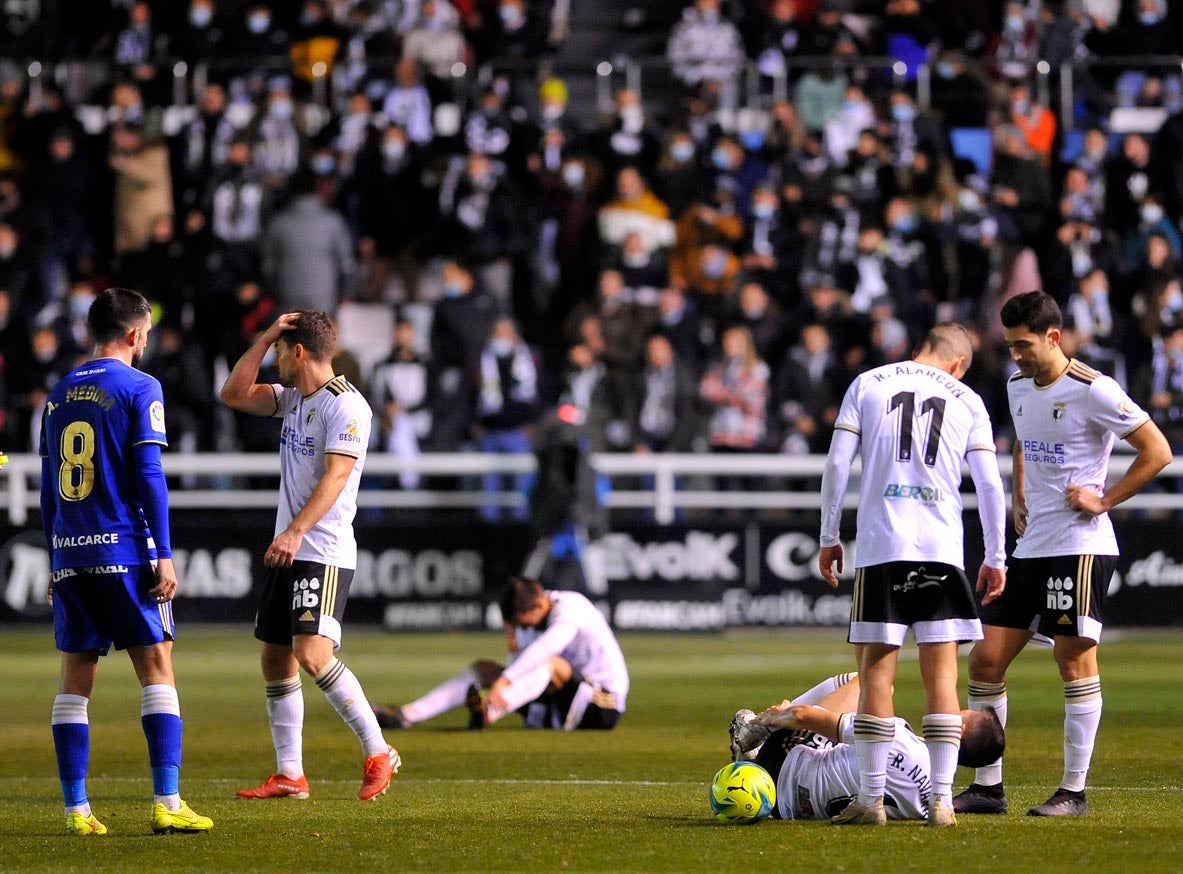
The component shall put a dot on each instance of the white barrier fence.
(661, 477)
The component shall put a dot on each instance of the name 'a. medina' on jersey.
(93, 420)
(915, 424)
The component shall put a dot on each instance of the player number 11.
(905, 401)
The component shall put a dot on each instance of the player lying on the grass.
(807, 745)
(566, 669)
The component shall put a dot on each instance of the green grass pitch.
(510, 800)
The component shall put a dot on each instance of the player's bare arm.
(241, 391)
(802, 717)
(282, 551)
(1154, 453)
(1018, 500)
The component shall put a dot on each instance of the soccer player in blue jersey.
(104, 506)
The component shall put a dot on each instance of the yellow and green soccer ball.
(742, 792)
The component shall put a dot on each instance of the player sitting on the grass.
(807, 745)
(566, 669)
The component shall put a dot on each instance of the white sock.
(345, 693)
(448, 695)
(522, 691)
(285, 715)
(981, 696)
(872, 744)
(942, 735)
(825, 688)
(1082, 718)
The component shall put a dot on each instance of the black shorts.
(1062, 595)
(935, 600)
(306, 598)
(580, 704)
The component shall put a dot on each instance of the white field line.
(507, 781)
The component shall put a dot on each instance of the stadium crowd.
(703, 267)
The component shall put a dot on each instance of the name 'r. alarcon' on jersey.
(955, 387)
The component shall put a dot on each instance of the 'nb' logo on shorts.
(1057, 593)
(306, 593)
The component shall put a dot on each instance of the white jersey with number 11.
(915, 423)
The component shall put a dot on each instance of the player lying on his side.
(566, 669)
(807, 745)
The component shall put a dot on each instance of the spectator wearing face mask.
(1158, 386)
(1152, 223)
(768, 242)
(204, 34)
(482, 225)
(627, 138)
(704, 45)
(260, 35)
(843, 128)
(435, 40)
(277, 138)
(1091, 314)
(506, 381)
(316, 40)
(679, 172)
(1037, 123)
(389, 171)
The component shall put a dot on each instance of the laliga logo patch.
(156, 416)
(1124, 410)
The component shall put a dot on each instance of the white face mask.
(393, 150)
(573, 175)
(500, 346)
(632, 118)
(257, 23)
(1152, 213)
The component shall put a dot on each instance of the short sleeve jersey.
(818, 779)
(915, 423)
(593, 649)
(94, 418)
(1066, 431)
(333, 420)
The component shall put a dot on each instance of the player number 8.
(76, 475)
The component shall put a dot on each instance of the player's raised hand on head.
(827, 558)
(1085, 499)
(991, 580)
(284, 323)
(166, 581)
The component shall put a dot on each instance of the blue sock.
(71, 742)
(163, 731)
(160, 715)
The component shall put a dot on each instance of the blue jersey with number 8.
(93, 420)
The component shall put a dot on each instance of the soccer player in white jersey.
(807, 745)
(566, 669)
(1067, 417)
(322, 445)
(914, 423)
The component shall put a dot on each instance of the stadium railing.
(662, 484)
(1059, 88)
